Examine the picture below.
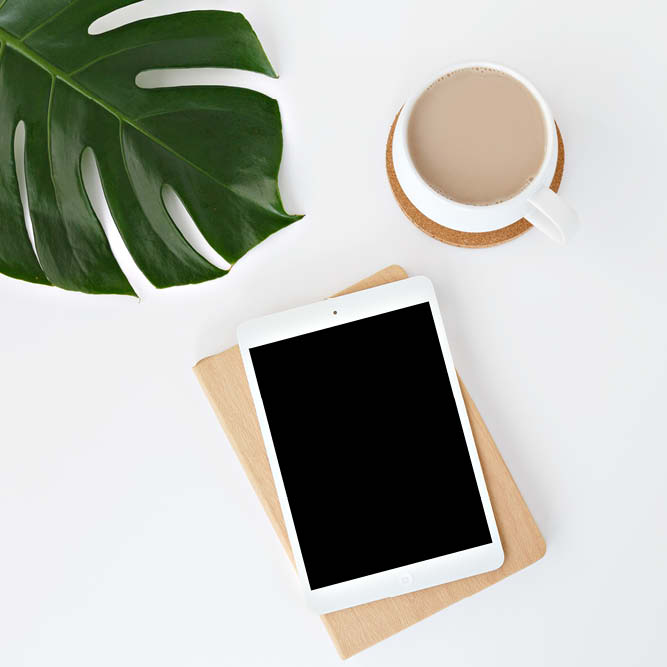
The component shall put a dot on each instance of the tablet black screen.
(370, 445)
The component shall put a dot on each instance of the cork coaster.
(454, 236)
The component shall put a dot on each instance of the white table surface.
(130, 535)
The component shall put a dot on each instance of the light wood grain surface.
(223, 380)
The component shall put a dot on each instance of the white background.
(129, 534)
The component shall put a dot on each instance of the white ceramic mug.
(537, 203)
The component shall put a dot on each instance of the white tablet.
(370, 445)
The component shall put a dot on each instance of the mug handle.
(552, 215)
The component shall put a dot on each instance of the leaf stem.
(56, 72)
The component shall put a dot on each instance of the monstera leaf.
(218, 147)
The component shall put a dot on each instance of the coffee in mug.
(476, 149)
(477, 136)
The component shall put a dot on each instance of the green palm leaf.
(218, 147)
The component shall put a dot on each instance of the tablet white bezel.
(333, 312)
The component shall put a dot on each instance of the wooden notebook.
(223, 379)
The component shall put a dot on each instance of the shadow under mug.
(537, 203)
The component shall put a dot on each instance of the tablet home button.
(405, 579)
